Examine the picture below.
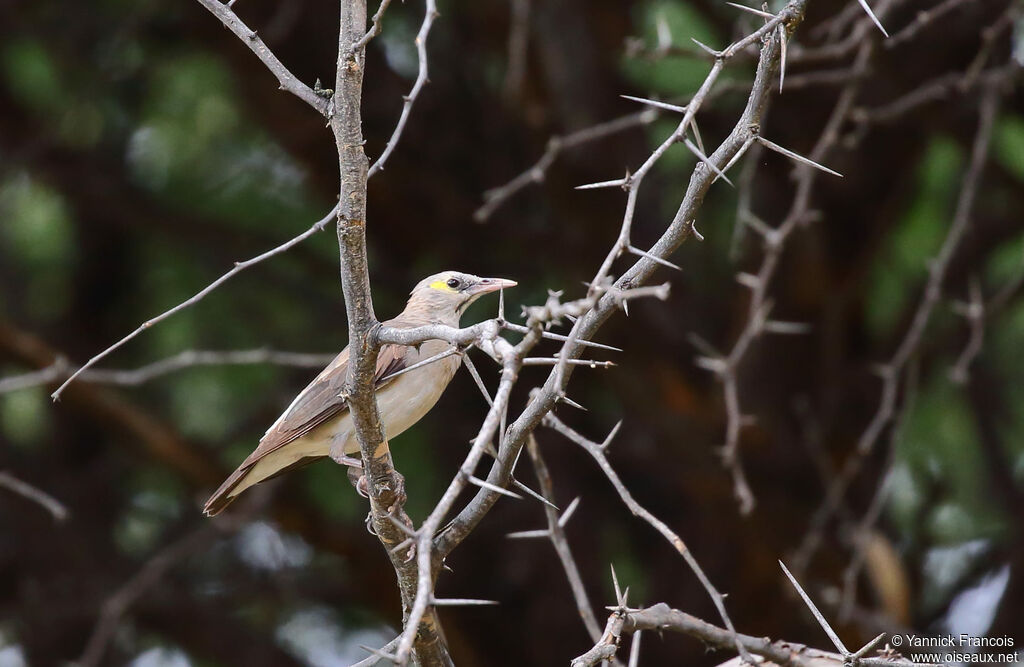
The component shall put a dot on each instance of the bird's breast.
(405, 401)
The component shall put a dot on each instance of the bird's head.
(444, 296)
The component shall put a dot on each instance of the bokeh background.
(143, 149)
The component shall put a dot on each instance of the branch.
(680, 229)
(661, 617)
(556, 533)
(495, 198)
(287, 80)
(892, 371)
(421, 80)
(38, 496)
(186, 359)
(385, 484)
(199, 296)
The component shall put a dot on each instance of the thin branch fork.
(598, 452)
(201, 294)
(251, 39)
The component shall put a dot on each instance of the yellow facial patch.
(441, 285)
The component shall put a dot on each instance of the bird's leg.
(350, 461)
(354, 465)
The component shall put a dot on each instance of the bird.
(318, 423)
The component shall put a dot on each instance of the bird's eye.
(453, 283)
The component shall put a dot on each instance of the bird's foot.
(359, 481)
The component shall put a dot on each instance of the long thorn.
(617, 183)
(703, 158)
(533, 494)
(569, 511)
(656, 103)
(756, 12)
(461, 602)
(653, 258)
(796, 156)
(529, 535)
(864, 4)
(492, 487)
(817, 614)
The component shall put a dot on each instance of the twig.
(893, 369)
(556, 533)
(38, 496)
(430, 13)
(287, 80)
(597, 451)
(185, 359)
(142, 581)
(374, 28)
(496, 197)
(199, 296)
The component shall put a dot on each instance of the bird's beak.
(486, 285)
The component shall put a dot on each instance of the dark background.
(143, 149)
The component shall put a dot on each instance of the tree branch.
(252, 40)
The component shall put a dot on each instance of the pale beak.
(486, 285)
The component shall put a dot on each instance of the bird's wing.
(321, 400)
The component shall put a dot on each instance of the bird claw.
(411, 553)
(359, 481)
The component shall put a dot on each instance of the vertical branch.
(556, 533)
(384, 482)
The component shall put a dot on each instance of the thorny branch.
(556, 533)
(417, 554)
(892, 372)
(773, 240)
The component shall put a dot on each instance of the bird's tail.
(227, 492)
(249, 474)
